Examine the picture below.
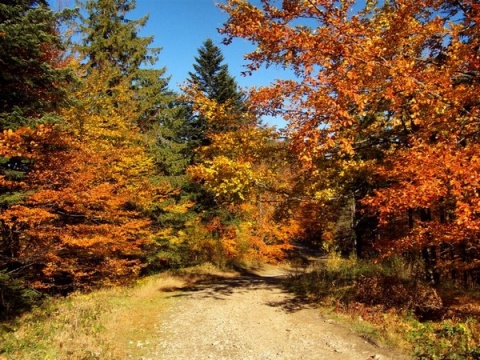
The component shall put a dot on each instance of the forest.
(107, 175)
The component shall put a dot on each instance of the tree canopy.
(105, 172)
(387, 91)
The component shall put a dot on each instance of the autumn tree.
(33, 82)
(32, 73)
(111, 44)
(240, 168)
(83, 214)
(244, 169)
(387, 90)
(212, 82)
(158, 122)
(78, 219)
(79, 222)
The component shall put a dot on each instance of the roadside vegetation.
(390, 302)
(103, 324)
(119, 322)
(384, 303)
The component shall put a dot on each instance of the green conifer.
(212, 76)
(110, 44)
(32, 80)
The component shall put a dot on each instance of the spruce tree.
(110, 44)
(168, 142)
(32, 78)
(110, 40)
(212, 76)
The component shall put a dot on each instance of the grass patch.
(114, 323)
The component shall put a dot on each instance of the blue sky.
(180, 27)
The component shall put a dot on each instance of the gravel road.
(251, 317)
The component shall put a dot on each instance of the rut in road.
(252, 317)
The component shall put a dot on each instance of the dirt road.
(251, 317)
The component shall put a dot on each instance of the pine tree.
(110, 40)
(32, 78)
(212, 77)
(111, 45)
(168, 140)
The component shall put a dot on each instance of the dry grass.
(114, 323)
(205, 270)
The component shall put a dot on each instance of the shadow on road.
(221, 287)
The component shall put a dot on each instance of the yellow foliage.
(227, 179)
(244, 167)
(88, 182)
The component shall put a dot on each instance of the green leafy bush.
(446, 340)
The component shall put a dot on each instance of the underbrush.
(15, 297)
(447, 339)
(392, 303)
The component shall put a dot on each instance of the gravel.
(251, 317)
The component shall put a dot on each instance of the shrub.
(386, 284)
(446, 340)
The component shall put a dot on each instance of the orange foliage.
(394, 85)
(80, 221)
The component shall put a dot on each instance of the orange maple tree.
(76, 224)
(390, 89)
